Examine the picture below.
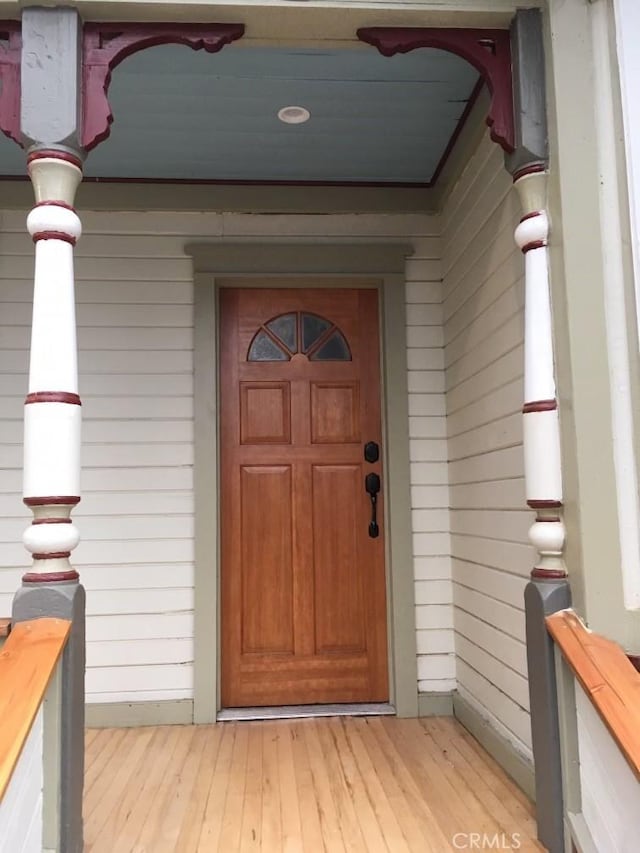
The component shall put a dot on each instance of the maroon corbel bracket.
(10, 56)
(105, 45)
(489, 51)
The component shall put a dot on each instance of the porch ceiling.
(187, 115)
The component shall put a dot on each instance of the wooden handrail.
(608, 677)
(5, 628)
(27, 662)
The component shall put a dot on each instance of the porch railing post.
(49, 127)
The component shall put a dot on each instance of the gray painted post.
(50, 73)
(541, 599)
(49, 125)
(64, 600)
(529, 98)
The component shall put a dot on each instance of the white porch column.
(548, 590)
(541, 428)
(50, 117)
(52, 413)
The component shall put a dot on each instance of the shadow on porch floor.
(334, 784)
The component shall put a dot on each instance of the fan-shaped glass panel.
(333, 349)
(321, 340)
(264, 349)
(285, 327)
(312, 328)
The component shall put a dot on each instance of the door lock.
(371, 452)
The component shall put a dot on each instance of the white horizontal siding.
(483, 356)
(610, 791)
(21, 806)
(429, 479)
(135, 335)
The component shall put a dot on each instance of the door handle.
(372, 487)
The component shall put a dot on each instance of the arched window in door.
(299, 332)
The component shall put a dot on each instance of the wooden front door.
(303, 581)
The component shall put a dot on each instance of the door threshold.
(287, 712)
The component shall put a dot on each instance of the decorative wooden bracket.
(489, 51)
(105, 45)
(10, 57)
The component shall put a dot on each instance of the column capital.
(55, 175)
(531, 183)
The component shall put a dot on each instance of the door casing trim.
(310, 265)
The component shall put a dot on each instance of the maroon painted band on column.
(533, 169)
(51, 521)
(56, 203)
(50, 577)
(532, 215)
(54, 235)
(534, 244)
(539, 406)
(548, 574)
(52, 500)
(54, 154)
(52, 555)
(52, 397)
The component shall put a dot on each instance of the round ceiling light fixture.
(294, 115)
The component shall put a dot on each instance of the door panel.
(337, 496)
(335, 413)
(303, 584)
(265, 413)
(267, 598)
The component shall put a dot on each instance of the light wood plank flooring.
(333, 784)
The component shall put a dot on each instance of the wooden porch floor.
(334, 784)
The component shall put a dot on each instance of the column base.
(541, 598)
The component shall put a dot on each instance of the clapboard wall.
(429, 479)
(135, 319)
(21, 822)
(483, 331)
(609, 789)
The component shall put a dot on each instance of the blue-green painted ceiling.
(186, 114)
